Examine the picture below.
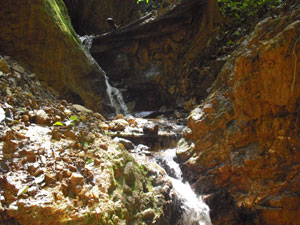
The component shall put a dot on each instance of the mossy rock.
(40, 36)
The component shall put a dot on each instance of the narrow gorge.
(167, 112)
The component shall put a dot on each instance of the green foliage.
(241, 10)
(23, 190)
(85, 144)
(138, 1)
(74, 118)
(58, 123)
(89, 161)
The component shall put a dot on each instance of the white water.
(115, 96)
(195, 211)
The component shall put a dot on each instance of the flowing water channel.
(114, 94)
(193, 210)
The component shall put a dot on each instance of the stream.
(191, 207)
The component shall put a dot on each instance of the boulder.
(40, 36)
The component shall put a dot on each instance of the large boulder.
(40, 36)
(246, 133)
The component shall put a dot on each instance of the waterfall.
(194, 210)
(115, 96)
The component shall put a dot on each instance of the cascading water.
(115, 96)
(194, 210)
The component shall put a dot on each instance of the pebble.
(119, 124)
(67, 112)
(81, 108)
(103, 126)
(104, 146)
(4, 66)
(75, 180)
(81, 154)
(83, 118)
(127, 144)
(41, 117)
(119, 116)
(99, 116)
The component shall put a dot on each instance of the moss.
(58, 12)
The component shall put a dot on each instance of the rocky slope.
(39, 35)
(58, 166)
(242, 142)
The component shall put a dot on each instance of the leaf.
(1, 73)
(236, 33)
(85, 144)
(89, 161)
(58, 123)
(2, 114)
(23, 190)
(74, 118)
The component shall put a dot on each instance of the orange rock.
(247, 131)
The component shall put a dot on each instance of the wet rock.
(127, 144)
(150, 128)
(118, 125)
(184, 149)
(131, 120)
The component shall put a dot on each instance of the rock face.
(40, 36)
(246, 133)
(154, 57)
(89, 16)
